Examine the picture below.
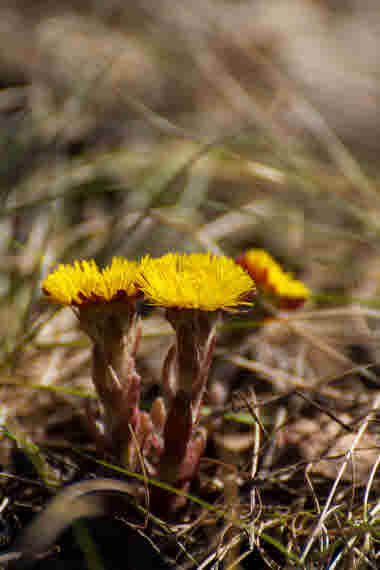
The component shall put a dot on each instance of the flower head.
(83, 282)
(195, 281)
(269, 276)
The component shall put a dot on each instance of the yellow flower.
(83, 282)
(269, 276)
(195, 281)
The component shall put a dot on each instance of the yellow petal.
(195, 281)
(83, 282)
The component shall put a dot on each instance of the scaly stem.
(115, 332)
(185, 376)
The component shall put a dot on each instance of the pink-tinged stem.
(120, 401)
(177, 434)
(116, 337)
(185, 375)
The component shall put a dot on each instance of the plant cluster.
(194, 289)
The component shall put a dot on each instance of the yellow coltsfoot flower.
(83, 282)
(104, 300)
(195, 281)
(287, 292)
(194, 288)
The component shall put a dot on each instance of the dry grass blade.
(79, 500)
(327, 510)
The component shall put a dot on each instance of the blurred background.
(139, 127)
(134, 127)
